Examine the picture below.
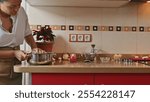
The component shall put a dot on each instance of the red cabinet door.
(90, 79)
(62, 79)
(122, 79)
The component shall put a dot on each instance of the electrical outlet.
(80, 38)
(87, 37)
(73, 37)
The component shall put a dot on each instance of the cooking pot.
(41, 58)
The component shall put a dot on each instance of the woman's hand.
(20, 55)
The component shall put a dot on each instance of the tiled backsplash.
(95, 28)
(123, 30)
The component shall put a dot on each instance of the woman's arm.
(29, 39)
(7, 54)
(20, 55)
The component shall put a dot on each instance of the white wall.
(111, 42)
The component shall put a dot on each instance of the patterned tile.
(79, 28)
(55, 27)
(47, 26)
(103, 28)
(134, 29)
(87, 28)
(126, 28)
(141, 29)
(110, 28)
(39, 27)
(95, 28)
(63, 27)
(118, 28)
(71, 27)
(148, 29)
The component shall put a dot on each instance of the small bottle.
(73, 58)
(93, 53)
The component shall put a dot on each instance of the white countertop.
(81, 67)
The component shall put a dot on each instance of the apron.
(7, 74)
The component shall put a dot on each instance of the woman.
(14, 28)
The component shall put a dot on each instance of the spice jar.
(73, 58)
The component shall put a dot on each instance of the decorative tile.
(47, 26)
(55, 27)
(148, 29)
(87, 28)
(95, 28)
(71, 27)
(103, 28)
(79, 27)
(134, 28)
(63, 27)
(126, 28)
(141, 29)
(110, 28)
(118, 28)
(39, 27)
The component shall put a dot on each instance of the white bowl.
(104, 59)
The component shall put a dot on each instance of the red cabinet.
(62, 79)
(90, 79)
(122, 79)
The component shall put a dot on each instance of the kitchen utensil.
(41, 58)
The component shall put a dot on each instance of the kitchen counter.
(81, 67)
(66, 73)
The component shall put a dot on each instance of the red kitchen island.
(80, 73)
